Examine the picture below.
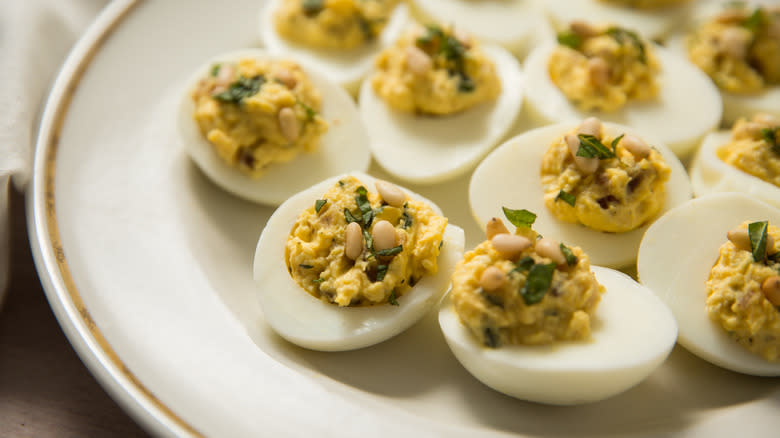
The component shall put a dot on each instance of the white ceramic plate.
(147, 266)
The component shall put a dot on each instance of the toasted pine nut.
(510, 245)
(463, 37)
(551, 249)
(766, 119)
(225, 75)
(636, 146)
(598, 70)
(582, 28)
(586, 165)
(730, 15)
(286, 77)
(418, 61)
(390, 193)
(749, 130)
(288, 124)
(734, 42)
(492, 279)
(771, 289)
(740, 238)
(353, 241)
(590, 126)
(383, 235)
(495, 226)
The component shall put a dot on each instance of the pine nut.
(383, 235)
(288, 124)
(286, 77)
(495, 226)
(492, 279)
(509, 245)
(586, 165)
(734, 42)
(636, 146)
(551, 249)
(225, 75)
(740, 237)
(590, 126)
(771, 289)
(598, 70)
(353, 241)
(390, 193)
(582, 28)
(418, 61)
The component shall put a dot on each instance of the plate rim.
(64, 298)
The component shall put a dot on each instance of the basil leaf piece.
(755, 21)
(350, 217)
(304, 266)
(569, 39)
(770, 135)
(757, 233)
(592, 147)
(571, 259)
(519, 218)
(310, 112)
(490, 337)
(381, 271)
(391, 299)
(367, 214)
(369, 241)
(524, 264)
(623, 36)
(241, 89)
(313, 7)
(318, 204)
(390, 251)
(318, 280)
(538, 283)
(407, 220)
(215, 70)
(566, 197)
(615, 143)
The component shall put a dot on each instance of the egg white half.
(632, 334)
(675, 259)
(687, 107)
(310, 323)
(342, 148)
(431, 149)
(509, 177)
(513, 24)
(345, 67)
(652, 24)
(709, 174)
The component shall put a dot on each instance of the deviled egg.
(653, 19)
(615, 74)
(745, 159)
(264, 127)
(438, 102)
(724, 289)
(513, 24)
(338, 37)
(342, 265)
(596, 186)
(529, 317)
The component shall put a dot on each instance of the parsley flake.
(391, 299)
(241, 89)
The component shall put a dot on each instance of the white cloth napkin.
(35, 36)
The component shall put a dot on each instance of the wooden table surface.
(45, 390)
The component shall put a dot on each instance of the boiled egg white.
(311, 323)
(510, 176)
(710, 174)
(513, 24)
(675, 259)
(345, 67)
(687, 107)
(651, 23)
(632, 334)
(342, 148)
(431, 149)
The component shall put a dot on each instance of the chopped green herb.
(318, 204)
(381, 271)
(524, 264)
(520, 218)
(318, 280)
(755, 21)
(615, 142)
(466, 84)
(757, 233)
(341, 183)
(215, 70)
(537, 283)
(313, 7)
(493, 299)
(350, 217)
(566, 197)
(490, 337)
(391, 299)
(774, 258)
(569, 39)
(407, 220)
(592, 147)
(241, 89)
(571, 259)
(369, 241)
(390, 251)
(304, 266)
(367, 214)
(624, 35)
(310, 113)
(772, 136)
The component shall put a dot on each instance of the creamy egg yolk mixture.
(623, 192)
(739, 49)
(755, 148)
(318, 258)
(332, 24)
(258, 112)
(435, 70)
(538, 302)
(736, 297)
(602, 68)
(646, 4)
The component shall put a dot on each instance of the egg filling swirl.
(519, 288)
(354, 247)
(646, 4)
(754, 147)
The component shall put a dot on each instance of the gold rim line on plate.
(50, 161)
